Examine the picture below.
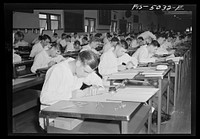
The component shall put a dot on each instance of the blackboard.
(135, 18)
(73, 22)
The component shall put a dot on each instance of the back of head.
(89, 58)
(124, 44)
(114, 39)
(45, 37)
(155, 43)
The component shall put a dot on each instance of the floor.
(180, 122)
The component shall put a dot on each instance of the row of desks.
(19, 84)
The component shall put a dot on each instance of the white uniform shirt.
(37, 48)
(127, 58)
(88, 47)
(147, 34)
(108, 63)
(42, 59)
(69, 47)
(106, 47)
(20, 43)
(142, 55)
(134, 44)
(60, 82)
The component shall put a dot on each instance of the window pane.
(86, 22)
(54, 25)
(86, 28)
(44, 16)
(43, 24)
(91, 23)
(54, 17)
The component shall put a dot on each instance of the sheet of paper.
(102, 97)
(134, 94)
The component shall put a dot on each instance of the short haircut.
(109, 36)
(68, 36)
(128, 39)
(155, 43)
(85, 38)
(20, 34)
(45, 37)
(54, 45)
(63, 34)
(114, 39)
(77, 42)
(88, 57)
(124, 44)
(140, 38)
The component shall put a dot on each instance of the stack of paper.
(152, 73)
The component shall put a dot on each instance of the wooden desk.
(24, 83)
(162, 86)
(93, 110)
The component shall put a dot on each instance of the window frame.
(48, 20)
(89, 25)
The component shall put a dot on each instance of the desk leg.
(175, 85)
(168, 92)
(150, 117)
(124, 127)
(46, 122)
(159, 105)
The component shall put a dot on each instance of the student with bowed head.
(64, 80)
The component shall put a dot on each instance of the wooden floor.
(180, 122)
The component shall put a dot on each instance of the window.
(113, 26)
(49, 21)
(90, 25)
(129, 27)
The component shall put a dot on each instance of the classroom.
(122, 69)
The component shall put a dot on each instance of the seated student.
(43, 44)
(110, 61)
(107, 38)
(147, 34)
(128, 40)
(74, 37)
(113, 42)
(145, 53)
(84, 41)
(55, 37)
(65, 42)
(126, 59)
(16, 58)
(77, 45)
(64, 80)
(93, 44)
(19, 40)
(47, 58)
(36, 40)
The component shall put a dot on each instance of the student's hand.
(78, 93)
(130, 65)
(121, 67)
(51, 63)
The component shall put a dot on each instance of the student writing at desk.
(43, 44)
(47, 58)
(111, 61)
(19, 40)
(145, 53)
(64, 80)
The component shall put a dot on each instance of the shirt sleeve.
(143, 57)
(93, 79)
(39, 62)
(107, 65)
(56, 87)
